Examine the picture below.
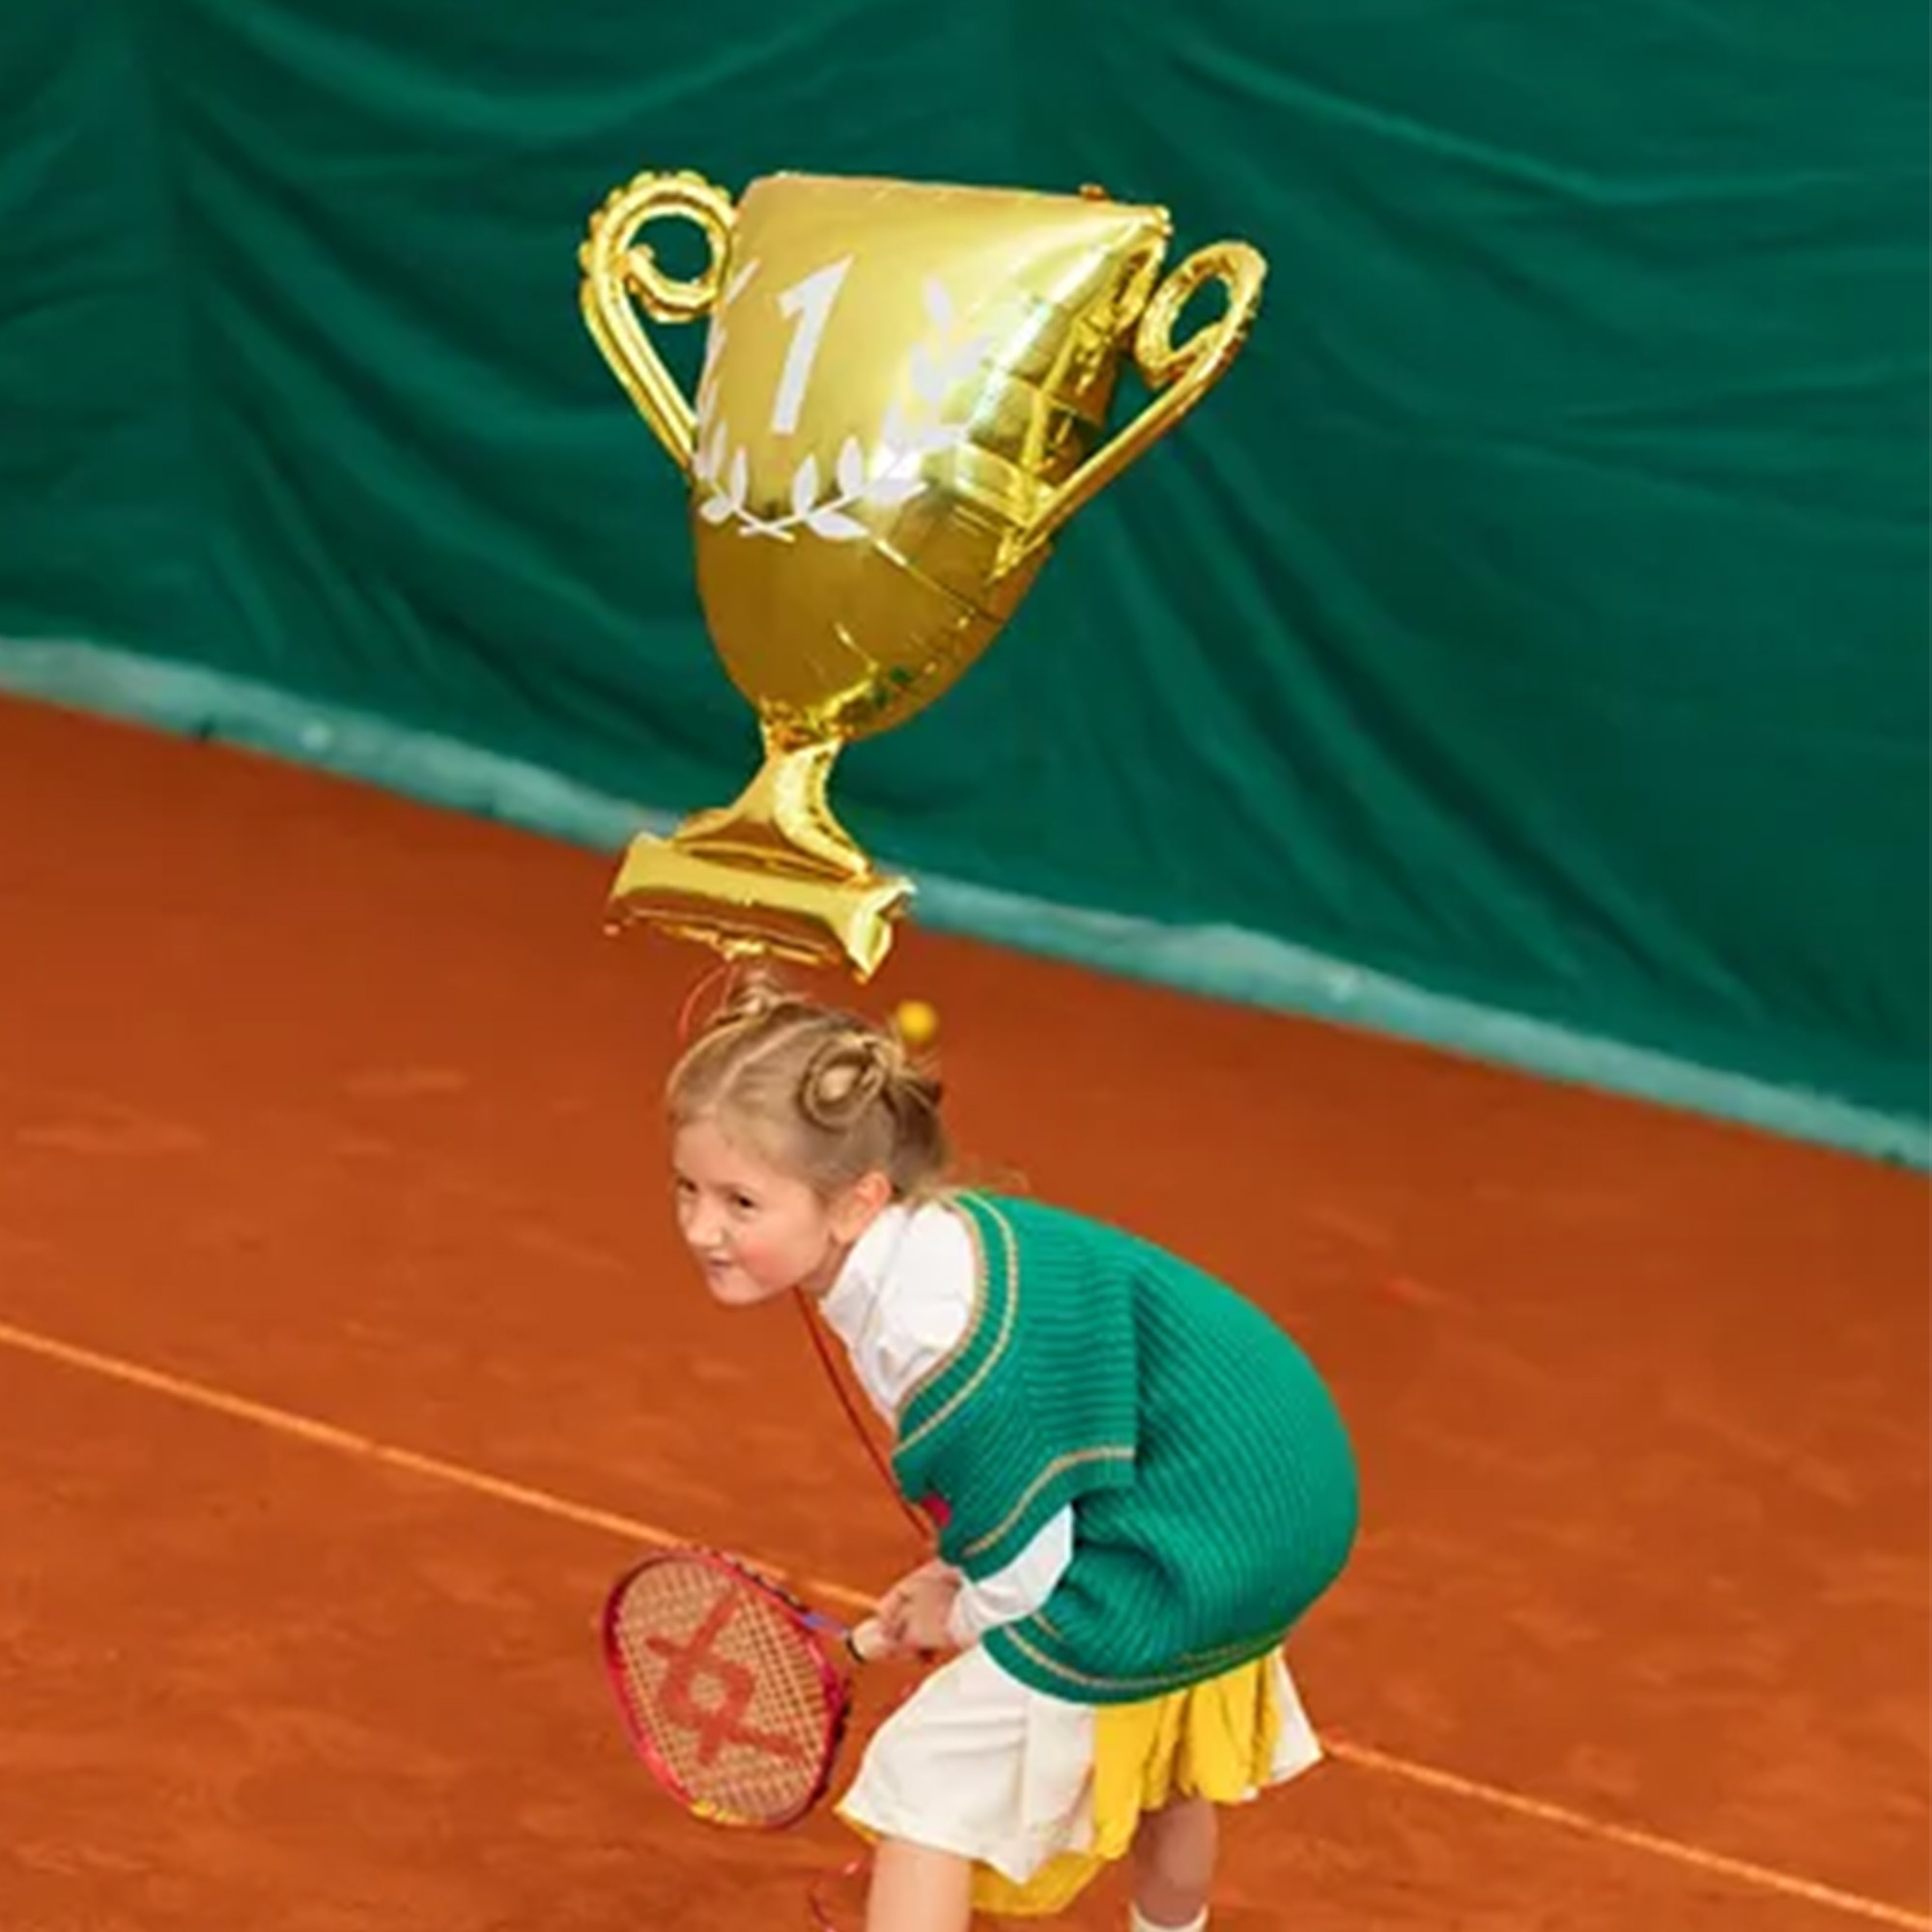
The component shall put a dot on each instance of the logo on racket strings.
(717, 1720)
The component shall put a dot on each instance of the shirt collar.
(852, 1300)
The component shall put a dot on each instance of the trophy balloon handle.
(1179, 373)
(621, 274)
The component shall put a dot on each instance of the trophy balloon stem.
(774, 874)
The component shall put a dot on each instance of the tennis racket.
(736, 1696)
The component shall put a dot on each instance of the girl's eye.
(683, 1189)
(743, 1204)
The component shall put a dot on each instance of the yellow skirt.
(983, 1767)
(1216, 1741)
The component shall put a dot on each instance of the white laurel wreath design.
(887, 474)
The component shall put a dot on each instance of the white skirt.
(981, 1765)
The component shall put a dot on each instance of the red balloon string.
(688, 1014)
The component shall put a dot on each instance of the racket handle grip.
(868, 1641)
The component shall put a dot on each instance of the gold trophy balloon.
(904, 399)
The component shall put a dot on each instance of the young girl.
(1140, 1480)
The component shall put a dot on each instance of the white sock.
(1138, 1924)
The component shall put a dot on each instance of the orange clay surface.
(347, 1352)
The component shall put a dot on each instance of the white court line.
(458, 1475)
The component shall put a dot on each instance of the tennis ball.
(915, 1023)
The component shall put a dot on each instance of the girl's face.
(757, 1230)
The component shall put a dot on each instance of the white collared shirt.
(903, 1303)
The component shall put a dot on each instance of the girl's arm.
(936, 1608)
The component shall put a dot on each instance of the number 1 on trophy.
(811, 300)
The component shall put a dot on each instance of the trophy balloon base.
(773, 874)
(747, 912)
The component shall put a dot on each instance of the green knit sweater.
(1211, 1480)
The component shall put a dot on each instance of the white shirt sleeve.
(904, 1302)
(1019, 1589)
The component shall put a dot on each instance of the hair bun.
(848, 1075)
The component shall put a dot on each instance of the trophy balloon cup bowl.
(903, 398)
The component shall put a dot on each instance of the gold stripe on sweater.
(1053, 1470)
(1009, 1254)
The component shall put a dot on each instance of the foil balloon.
(904, 397)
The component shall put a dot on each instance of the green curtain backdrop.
(1537, 614)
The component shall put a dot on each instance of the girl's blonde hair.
(827, 1095)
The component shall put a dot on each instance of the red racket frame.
(835, 1679)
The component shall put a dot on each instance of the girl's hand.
(918, 1616)
(892, 1606)
(870, 1643)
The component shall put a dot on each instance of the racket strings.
(728, 1688)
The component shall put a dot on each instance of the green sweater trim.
(1027, 1650)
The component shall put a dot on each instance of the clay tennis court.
(348, 1352)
